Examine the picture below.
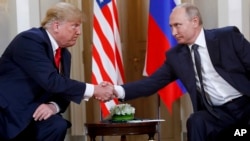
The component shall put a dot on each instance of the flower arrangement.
(122, 112)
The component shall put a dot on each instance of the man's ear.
(195, 21)
(55, 26)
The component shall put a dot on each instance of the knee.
(195, 120)
(61, 126)
(54, 128)
(56, 125)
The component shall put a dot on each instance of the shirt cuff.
(56, 105)
(89, 91)
(120, 91)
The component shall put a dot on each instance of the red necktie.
(58, 57)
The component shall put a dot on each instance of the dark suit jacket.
(230, 55)
(28, 77)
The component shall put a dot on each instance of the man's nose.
(174, 31)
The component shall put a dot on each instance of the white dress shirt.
(219, 90)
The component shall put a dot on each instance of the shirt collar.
(53, 42)
(200, 40)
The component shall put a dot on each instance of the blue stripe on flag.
(160, 11)
(102, 3)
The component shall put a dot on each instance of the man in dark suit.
(34, 91)
(225, 73)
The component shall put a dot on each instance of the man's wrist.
(120, 92)
(54, 107)
(89, 91)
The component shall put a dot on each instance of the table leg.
(92, 138)
(151, 137)
(123, 137)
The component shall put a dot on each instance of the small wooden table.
(108, 128)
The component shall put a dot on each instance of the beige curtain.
(77, 113)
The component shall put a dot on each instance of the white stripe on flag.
(111, 32)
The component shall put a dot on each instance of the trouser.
(52, 129)
(234, 116)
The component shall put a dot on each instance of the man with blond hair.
(35, 87)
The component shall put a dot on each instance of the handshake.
(105, 92)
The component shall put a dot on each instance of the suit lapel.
(65, 62)
(213, 48)
(215, 55)
(188, 75)
(49, 46)
(186, 66)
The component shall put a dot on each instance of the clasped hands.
(104, 91)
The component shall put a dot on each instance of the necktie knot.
(195, 46)
(58, 57)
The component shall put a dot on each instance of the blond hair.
(62, 11)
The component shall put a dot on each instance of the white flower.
(122, 109)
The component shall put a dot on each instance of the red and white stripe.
(107, 63)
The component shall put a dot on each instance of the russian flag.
(160, 39)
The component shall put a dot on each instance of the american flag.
(107, 63)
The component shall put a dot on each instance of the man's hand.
(44, 111)
(104, 91)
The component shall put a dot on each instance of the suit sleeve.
(61, 102)
(31, 55)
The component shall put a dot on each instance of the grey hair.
(191, 11)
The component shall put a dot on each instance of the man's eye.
(177, 25)
(74, 26)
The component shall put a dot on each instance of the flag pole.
(159, 115)
(102, 138)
